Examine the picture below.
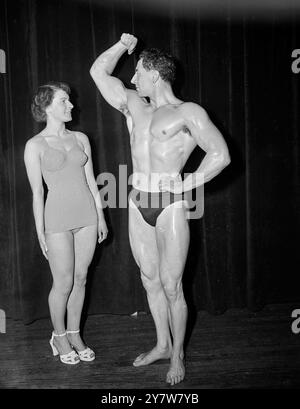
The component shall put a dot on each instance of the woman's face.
(60, 107)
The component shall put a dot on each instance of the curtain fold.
(243, 250)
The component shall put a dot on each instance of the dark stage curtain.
(238, 67)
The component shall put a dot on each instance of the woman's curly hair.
(43, 98)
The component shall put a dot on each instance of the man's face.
(143, 80)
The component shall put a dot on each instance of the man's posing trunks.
(163, 133)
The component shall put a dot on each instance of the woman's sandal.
(71, 358)
(86, 354)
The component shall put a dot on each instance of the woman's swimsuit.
(69, 203)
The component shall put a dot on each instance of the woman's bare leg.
(61, 261)
(84, 247)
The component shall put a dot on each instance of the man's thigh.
(173, 238)
(142, 237)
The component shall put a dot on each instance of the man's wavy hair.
(161, 61)
(43, 97)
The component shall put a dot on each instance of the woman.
(68, 224)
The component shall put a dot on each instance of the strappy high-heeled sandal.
(86, 354)
(71, 358)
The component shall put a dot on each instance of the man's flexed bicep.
(111, 88)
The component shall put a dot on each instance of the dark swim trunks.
(151, 204)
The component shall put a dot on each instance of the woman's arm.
(33, 168)
(89, 172)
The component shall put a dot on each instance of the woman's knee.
(63, 286)
(80, 276)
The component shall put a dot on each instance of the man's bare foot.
(154, 355)
(176, 372)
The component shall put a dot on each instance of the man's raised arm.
(111, 88)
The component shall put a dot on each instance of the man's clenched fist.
(129, 41)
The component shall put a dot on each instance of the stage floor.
(238, 349)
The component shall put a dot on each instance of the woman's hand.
(102, 230)
(43, 245)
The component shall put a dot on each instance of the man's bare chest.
(158, 126)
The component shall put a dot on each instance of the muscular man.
(163, 132)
